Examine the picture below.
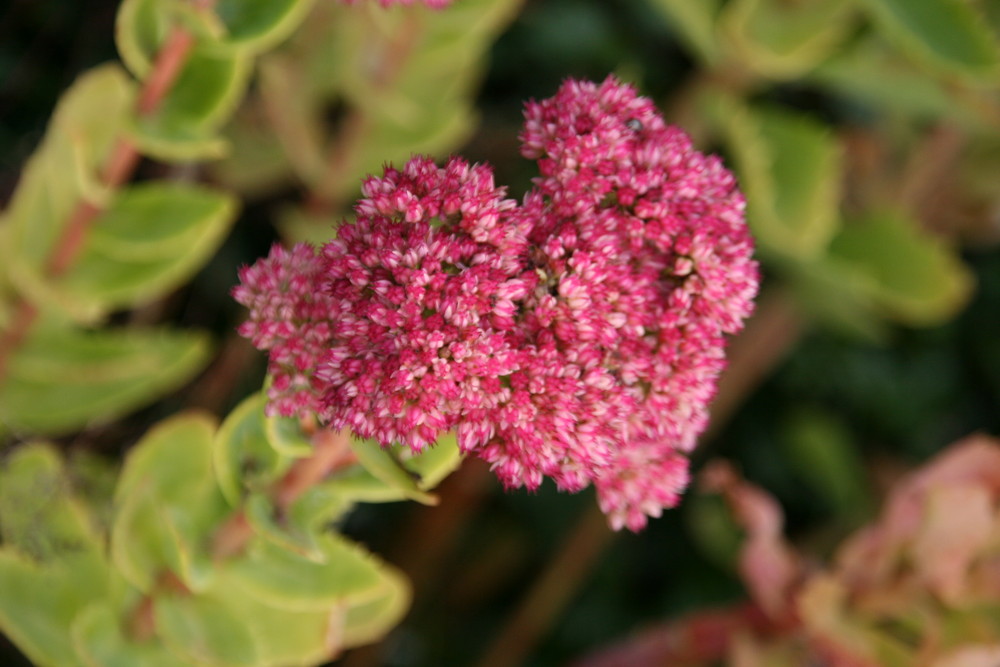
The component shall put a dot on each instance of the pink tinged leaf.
(957, 527)
(971, 656)
(768, 566)
(833, 635)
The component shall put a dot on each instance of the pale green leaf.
(789, 167)
(949, 33)
(781, 40)
(62, 379)
(208, 88)
(169, 505)
(911, 276)
(279, 529)
(369, 621)
(140, 28)
(63, 171)
(37, 606)
(285, 637)
(288, 580)
(386, 466)
(434, 463)
(258, 25)
(244, 458)
(99, 641)
(286, 436)
(205, 628)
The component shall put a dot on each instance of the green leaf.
(204, 628)
(909, 275)
(63, 171)
(784, 40)
(873, 74)
(245, 460)
(207, 90)
(98, 640)
(696, 22)
(949, 33)
(62, 379)
(140, 28)
(178, 144)
(371, 620)
(789, 167)
(820, 447)
(169, 505)
(385, 466)
(434, 463)
(286, 637)
(39, 516)
(286, 436)
(712, 527)
(37, 606)
(288, 580)
(152, 239)
(258, 25)
(270, 524)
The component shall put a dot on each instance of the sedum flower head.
(576, 336)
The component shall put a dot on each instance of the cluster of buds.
(577, 335)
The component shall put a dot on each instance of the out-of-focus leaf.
(63, 170)
(285, 637)
(385, 466)
(271, 525)
(244, 457)
(908, 274)
(830, 294)
(256, 165)
(37, 607)
(178, 144)
(169, 505)
(696, 22)
(207, 89)
(824, 455)
(285, 435)
(140, 27)
(260, 24)
(872, 73)
(205, 629)
(99, 641)
(790, 169)
(434, 463)
(957, 528)
(61, 379)
(152, 239)
(39, 516)
(283, 579)
(784, 40)
(950, 33)
(711, 525)
(372, 619)
(768, 566)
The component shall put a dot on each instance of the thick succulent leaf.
(285, 637)
(260, 24)
(207, 90)
(279, 529)
(244, 458)
(205, 629)
(434, 463)
(256, 165)
(169, 504)
(37, 606)
(38, 515)
(284, 579)
(140, 28)
(152, 239)
(950, 33)
(370, 620)
(789, 166)
(99, 641)
(63, 170)
(178, 144)
(781, 40)
(696, 22)
(61, 379)
(911, 276)
(286, 436)
(870, 72)
(387, 466)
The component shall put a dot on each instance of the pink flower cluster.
(577, 335)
